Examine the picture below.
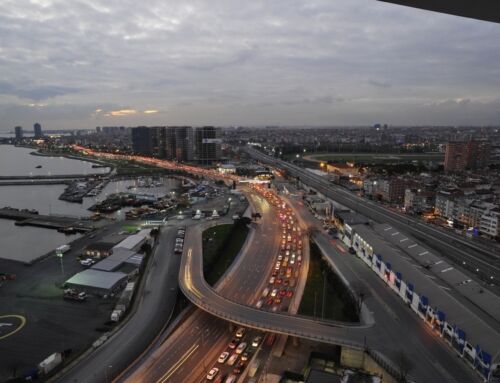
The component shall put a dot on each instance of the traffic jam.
(275, 297)
(278, 293)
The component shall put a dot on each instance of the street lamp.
(60, 255)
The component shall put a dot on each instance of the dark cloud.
(259, 62)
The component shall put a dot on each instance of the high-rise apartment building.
(19, 132)
(207, 144)
(462, 155)
(142, 140)
(37, 128)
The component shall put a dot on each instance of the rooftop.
(96, 279)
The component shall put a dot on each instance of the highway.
(193, 348)
(397, 329)
(454, 247)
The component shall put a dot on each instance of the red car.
(289, 293)
(283, 293)
(275, 273)
(279, 281)
(234, 343)
(269, 301)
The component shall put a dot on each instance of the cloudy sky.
(87, 63)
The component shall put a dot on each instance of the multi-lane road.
(475, 257)
(193, 348)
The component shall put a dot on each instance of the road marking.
(423, 253)
(404, 239)
(7, 324)
(179, 363)
(412, 246)
(446, 270)
(396, 233)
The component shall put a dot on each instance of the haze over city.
(350, 62)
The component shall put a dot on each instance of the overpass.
(456, 248)
(354, 336)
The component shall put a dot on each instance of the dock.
(65, 224)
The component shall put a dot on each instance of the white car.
(274, 292)
(240, 332)
(223, 357)
(87, 262)
(241, 347)
(232, 360)
(256, 341)
(272, 280)
(212, 373)
(259, 304)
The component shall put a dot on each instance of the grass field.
(376, 157)
(338, 306)
(221, 244)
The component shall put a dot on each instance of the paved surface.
(157, 301)
(187, 355)
(446, 243)
(434, 361)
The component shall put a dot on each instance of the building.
(489, 223)
(37, 128)
(419, 201)
(99, 250)
(135, 241)
(142, 140)
(207, 144)
(226, 169)
(97, 282)
(19, 133)
(463, 155)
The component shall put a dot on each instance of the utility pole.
(324, 295)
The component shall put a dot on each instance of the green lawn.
(221, 244)
(338, 302)
(378, 157)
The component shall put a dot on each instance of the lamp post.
(60, 255)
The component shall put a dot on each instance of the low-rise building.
(99, 250)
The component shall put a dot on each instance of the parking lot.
(35, 320)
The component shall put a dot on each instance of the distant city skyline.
(351, 62)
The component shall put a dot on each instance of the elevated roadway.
(455, 248)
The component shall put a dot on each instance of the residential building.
(19, 132)
(462, 155)
(207, 144)
(37, 128)
(489, 223)
(143, 141)
(419, 201)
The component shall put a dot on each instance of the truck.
(118, 312)
(123, 302)
(49, 363)
(63, 249)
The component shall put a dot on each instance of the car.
(270, 339)
(279, 281)
(212, 373)
(241, 347)
(87, 262)
(259, 303)
(286, 282)
(245, 356)
(274, 292)
(274, 309)
(232, 360)
(277, 300)
(223, 357)
(256, 341)
(265, 292)
(234, 343)
(289, 293)
(282, 292)
(231, 379)
(269, 301)
(272, 280)
(240, 332)
(280, 257)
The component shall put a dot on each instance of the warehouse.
(97, 281)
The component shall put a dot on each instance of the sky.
(84, 63)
